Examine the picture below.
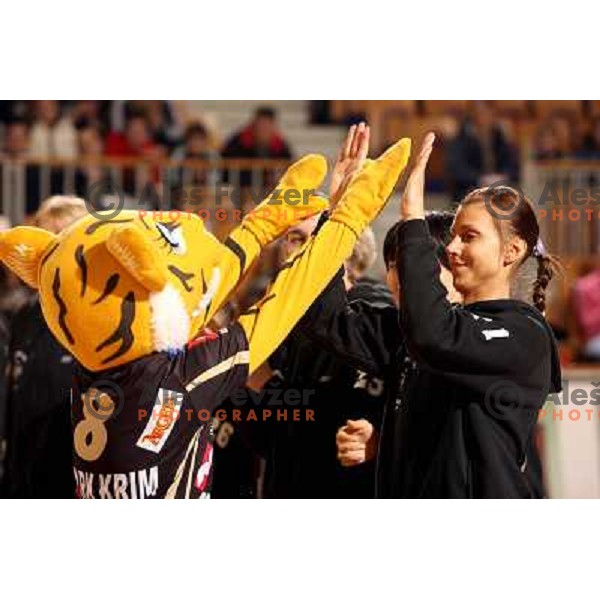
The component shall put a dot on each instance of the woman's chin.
(461, 284)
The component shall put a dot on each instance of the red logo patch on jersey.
(162, 420)
(202, 476)
(206, 336)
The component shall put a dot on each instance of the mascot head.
(114, 290)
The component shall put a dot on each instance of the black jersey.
(144, 430)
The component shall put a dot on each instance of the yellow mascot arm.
(290, 203)
(307, 274)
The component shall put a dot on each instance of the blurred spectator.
(91, 113)
(586, 312)
(261, 138)
(134, 141)
(162, 118)
(164, 125)
(52, 136)
(590, 148)
(196, 146)
(547, 144)
(11, 110)
(16, 140)
(91, 147)
(17, 147)
(4, 343)
(480, 154)
(39, 440)
(13, 294)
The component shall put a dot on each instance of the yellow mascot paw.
(292, 200)
(370, 189)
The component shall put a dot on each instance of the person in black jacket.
(301, 456)
(39, 439)
(364, 333)
(482, 371)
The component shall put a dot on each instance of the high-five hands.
(356, 443)
(412, 205)
(351, 158)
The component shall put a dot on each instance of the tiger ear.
(139, 256)
(22, 250)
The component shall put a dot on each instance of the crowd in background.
(47, 129)
(480, 150)
(480, 144)
(149, 131)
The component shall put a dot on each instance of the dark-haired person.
(196, 146)
(482, 370)
(260, 138)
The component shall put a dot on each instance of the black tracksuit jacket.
(364, 333)
(467, 409)
(463, 398)
(301, 456)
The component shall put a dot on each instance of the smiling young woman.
(481, 371)
(486, 252)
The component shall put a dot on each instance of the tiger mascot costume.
(129, 297)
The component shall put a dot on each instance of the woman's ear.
(515, 250)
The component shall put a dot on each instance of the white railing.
(159, 184)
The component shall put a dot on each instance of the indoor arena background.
(153, 151)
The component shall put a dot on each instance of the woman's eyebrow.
(467, 226)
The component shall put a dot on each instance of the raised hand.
(351, 158)
(412, 205)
